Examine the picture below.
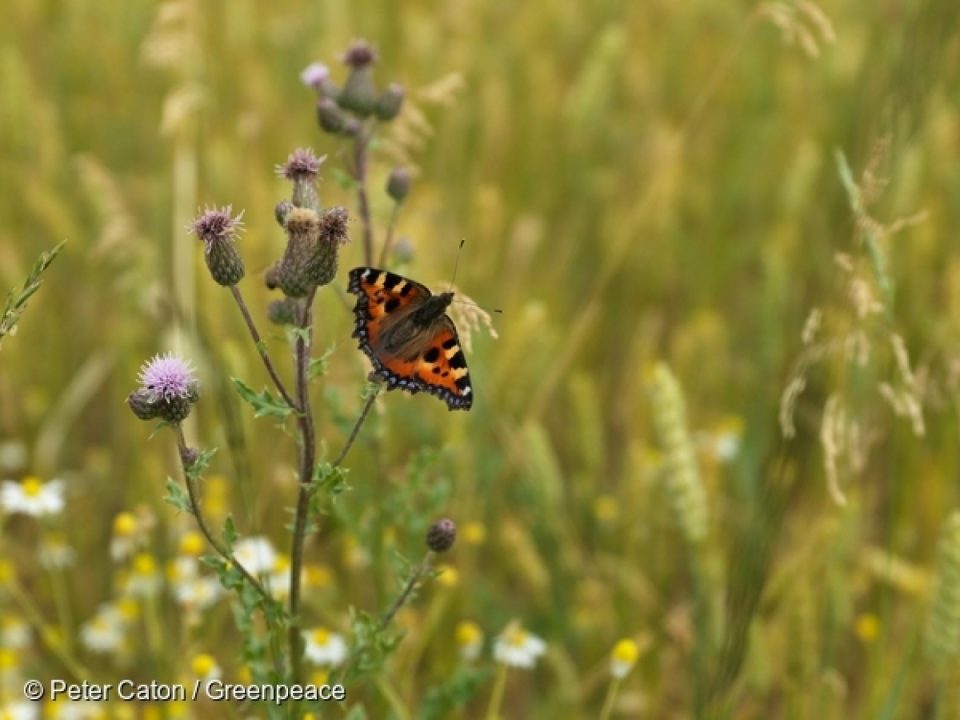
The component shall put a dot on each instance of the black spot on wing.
(449, 343)
(431, 355)
(392, 304)
(458, 360)
(391, 280)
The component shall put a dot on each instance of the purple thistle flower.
(168, 378)
(302, 164)
(315, 74)
(214, 225)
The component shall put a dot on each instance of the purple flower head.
(216, 225)
(302, 164)
(168, 378)
(315, 74)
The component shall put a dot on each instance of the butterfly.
(405, 331)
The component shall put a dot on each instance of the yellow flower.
(448, 576)
(320, 677)
(9, 660)
(215, 493)
(623, 657)
(469, 639)
(125, 524)
(144, 564)
(606, 509)
(318, 576)
(7, 572)
(474, 533)
(867, 626)
(205, 667)
(192, 543)
(129, 609)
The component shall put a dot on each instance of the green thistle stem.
(262, 348)
(388, 241)
(360, 143)
(408, 588)
(194, 497)
(307, 463)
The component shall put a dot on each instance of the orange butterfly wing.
(439, 367)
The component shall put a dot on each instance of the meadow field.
(711, 465)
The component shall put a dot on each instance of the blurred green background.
(636, 182)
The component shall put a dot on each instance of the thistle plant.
(354, 112)
(314, 235)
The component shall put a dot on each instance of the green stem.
(393, 700)
(262, 348)
(496, 695)
(307, 463)
(388, 240)
(360, 142)
(364, 411)
(220, 548)
(611, 699)
(408, 588)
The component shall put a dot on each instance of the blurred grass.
(635, 181)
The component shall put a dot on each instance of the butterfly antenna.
(456, 263)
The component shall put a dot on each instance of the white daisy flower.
(256, 555)
(469, 640)
(325, 647)
(205, 668)
(127, 538)
(55, 553)
(104, 632)
(33, 497)
(20, 711)
(518, 648)
(279, 580)
(14, 632)
(144, 578)
(623, 658)
(198, 593)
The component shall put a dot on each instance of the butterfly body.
(413, 344)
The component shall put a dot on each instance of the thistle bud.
(294, 273)
(333, 226)
(389, 102)
(441, 535)
(330, 117)
(188, 456)
(359, 94)
(282, 312)
(302, 168)
(217, 228)
(398, 184)
(142, 403)
(332, 234)
(271, 278)
(281, 210)
(317, 76)
(403, 251)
